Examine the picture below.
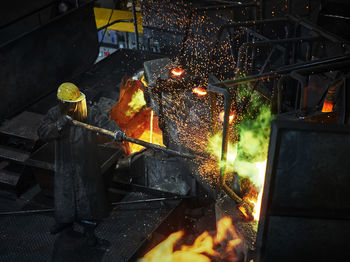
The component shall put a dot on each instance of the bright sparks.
(231, 118)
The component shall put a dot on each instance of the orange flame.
(136, 121)
(232, 116)
(200, 91)
(203, 246)
(224, 230)
(255, 196)
(177, 71)
(327, 107)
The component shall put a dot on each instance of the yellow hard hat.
(69, 92)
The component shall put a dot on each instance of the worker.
(79, 194)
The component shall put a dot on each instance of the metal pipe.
(213, 106)
(26, 212)
(339, 61)
(147, 200)
(323, 68)
(245, 23)
(135, 24)
(223, 161)
(322, 32)
(218, 7)
(138, 141)
(261, 9)
(245, 46)
(303, 91)
(227, 107)
(279, 92)
(140, 201)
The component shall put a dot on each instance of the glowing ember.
(143, 80)
(244, 211)
(327, 107)
(200, 91)
(231, 118)
(204, 246)
(177, 71)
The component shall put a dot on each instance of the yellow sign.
(102, 16)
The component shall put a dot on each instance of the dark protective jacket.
(78, 189)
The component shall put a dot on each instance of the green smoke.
(254, 136)
(254, 133)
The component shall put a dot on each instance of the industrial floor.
(26, 237)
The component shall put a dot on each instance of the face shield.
(76, 110)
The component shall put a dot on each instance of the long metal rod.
(140, 201)
(308, 66)
(322, 32)
(148, 200)
(138, 141)
(26, 212)
(243, 48)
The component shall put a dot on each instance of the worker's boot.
(92, 240)
(58, 227)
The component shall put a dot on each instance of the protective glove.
(119, 136)
(62, 122)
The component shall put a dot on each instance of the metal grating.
(26, 237)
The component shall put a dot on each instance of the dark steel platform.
(26, 237)
(23, 125)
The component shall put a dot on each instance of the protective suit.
(78, 189)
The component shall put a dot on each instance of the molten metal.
(200, 91)
(177, 71)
